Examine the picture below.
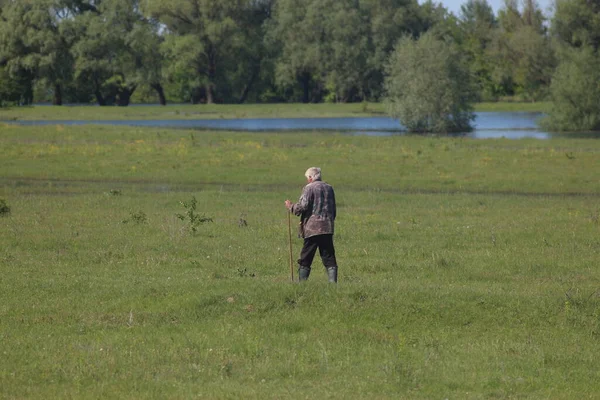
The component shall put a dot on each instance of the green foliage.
(575, 92)
(14, 90)
(191, 215)
(119, 59)
(477, 17)
(137, 217)
(4, 208)
(577, 23)
(235, 51)
(211, 45)
(114, 192)
(478, 25)
(520, 53)
(534, 62)
(336, 49)
(429, 87)
(302, 34)
(33, 42)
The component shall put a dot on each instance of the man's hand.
(288, 205)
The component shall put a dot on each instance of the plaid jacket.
(316, 209)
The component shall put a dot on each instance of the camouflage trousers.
(326, 250)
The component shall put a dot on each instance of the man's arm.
(334, 212)
(301, 206)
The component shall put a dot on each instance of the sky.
(454, 5)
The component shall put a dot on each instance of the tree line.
(236, 51)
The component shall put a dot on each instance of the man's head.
(313, 174)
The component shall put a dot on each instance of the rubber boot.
(303, 273)
(332, 274)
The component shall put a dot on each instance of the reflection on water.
(507, 120)
(254, 124)
(487, 125)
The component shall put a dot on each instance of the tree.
(478, 24)
(298, 31)
(533, 61)
(338, 48)
(120, 58)
(346, 63)
(428, 86)
(253, 68)
(143, 43)
(575, 91)
(15, 89)
(533, 16)
(433, 16)
(206, 40)
(33, 43)
(477, 16)
(577, 23)
(521, 52)
(323, 46)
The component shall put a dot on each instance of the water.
(511, 125)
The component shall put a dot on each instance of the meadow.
(468, 268)
(222, 111)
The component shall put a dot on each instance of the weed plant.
(468, 268)
(4, 208)
(191, 216)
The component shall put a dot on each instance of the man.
(316, 209)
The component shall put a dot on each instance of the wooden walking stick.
(290, 238)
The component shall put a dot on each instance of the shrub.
(136, 218)
(4, 208)
(191, 216)
(575, 93)
(428, 86)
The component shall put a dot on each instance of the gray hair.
(314, 173)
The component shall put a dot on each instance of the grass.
(215, 111)
(504, 106)
(468, 268)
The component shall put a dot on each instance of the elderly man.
(316, 209)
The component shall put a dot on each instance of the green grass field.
(217, 111)
(468, 268)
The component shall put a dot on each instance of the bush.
(191, 216)
(429, 87)
(4, 208)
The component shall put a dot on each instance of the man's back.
(317, 208)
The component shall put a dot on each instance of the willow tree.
(207, 41)
(33, 45)
(338, 48)
(576, 23)
(322, 47)
(428, 86)
(521, 53)
(116, 49)
(478, 24)
(574, 91)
